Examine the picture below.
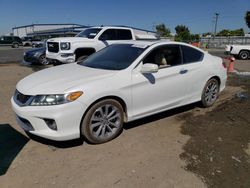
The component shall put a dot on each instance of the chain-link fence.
(221, 42)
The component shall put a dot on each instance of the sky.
(197, 15)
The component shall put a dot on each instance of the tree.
(162, 30)
(226, 32)
(182, 33)
(247, 18)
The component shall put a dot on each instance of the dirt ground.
(185, 147)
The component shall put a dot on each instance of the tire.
(81, 58)
(210, 93)
(43, 60)
(244, 55)
(15, 45)
(103, 122)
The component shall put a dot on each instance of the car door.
(106, 38)
(197, 74)
(154, 92)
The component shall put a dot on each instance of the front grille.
(21, 99)
(53, 47)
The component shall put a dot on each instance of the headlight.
(65, 45)
(48, 100)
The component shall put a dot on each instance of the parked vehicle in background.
(39, 43)
(239, 51)
(31, 41)
(121, 83)
(12, 41)
(71, 49)
(36, 56)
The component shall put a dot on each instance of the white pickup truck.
(90, 40)
(239, 51)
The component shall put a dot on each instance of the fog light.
(51, 124)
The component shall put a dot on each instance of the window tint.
(113, 57)
(164, 56)
(123, 34)
(191, 55)
(109, 34)
(89, 33)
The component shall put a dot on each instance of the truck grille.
(21, 99)
(53, 47)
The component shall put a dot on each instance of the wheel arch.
(118, 99)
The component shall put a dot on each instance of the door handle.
(183, 71)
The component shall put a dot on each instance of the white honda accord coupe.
(118, 84)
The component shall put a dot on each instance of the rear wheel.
(210, 93)
(244, 55)
(103, 121)
(15, 45)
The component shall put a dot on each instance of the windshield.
(114, 57)
(89, 33)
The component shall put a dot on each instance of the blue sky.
(198, 15)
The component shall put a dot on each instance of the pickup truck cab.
(90, 40)
(239, 51)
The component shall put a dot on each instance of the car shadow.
(11, 143)
(160, 115)
(57, 144)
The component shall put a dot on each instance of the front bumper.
(67, 117)
(61, 57)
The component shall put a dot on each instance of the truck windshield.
(89, 33)
(114, 57)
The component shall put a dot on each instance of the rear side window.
(123, 34)
(191, 55)
(109, 34)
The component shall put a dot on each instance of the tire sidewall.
(203, 101)
(85, 128)
(244, 52)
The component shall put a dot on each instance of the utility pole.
(216, 21)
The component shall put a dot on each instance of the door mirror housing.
(149, 68)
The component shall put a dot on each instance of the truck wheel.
(103, 121)
(15, 45)
(244, 55)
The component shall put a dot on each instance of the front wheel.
(43, 60)
(210, 93)
(103, 121)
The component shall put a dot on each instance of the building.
(43, 31)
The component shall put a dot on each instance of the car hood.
(69, 39)
(61, 79)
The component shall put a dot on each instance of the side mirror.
(149, 68)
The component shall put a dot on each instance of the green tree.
(162, 30)
(236, 32)
(247, 18)
(182, 33)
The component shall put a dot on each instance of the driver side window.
(164, 56)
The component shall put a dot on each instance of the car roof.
(147, 43)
